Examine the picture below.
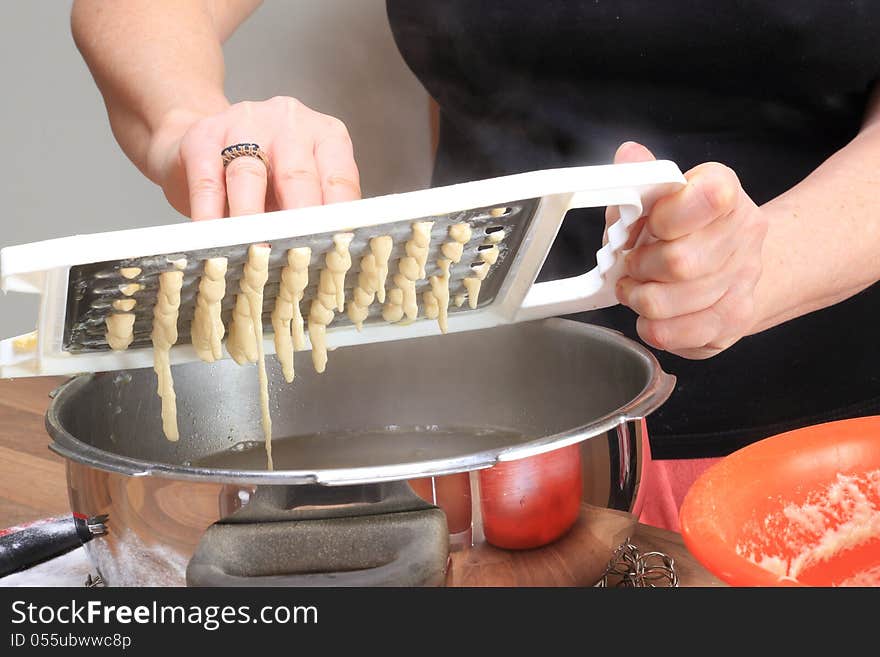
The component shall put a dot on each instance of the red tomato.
(533, 501)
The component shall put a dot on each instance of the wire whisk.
(629, 568)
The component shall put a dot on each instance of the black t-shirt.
(768, 88)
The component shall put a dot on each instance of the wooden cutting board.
(577, 559)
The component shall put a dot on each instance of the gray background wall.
(62, 173)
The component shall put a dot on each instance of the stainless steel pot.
(470, 421)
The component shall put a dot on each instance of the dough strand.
(240, 340)
(256, 273)
(330, 296)
(164, 336)
(381, 248)
(207, 329)
(120, 330)
(440, 292)
(460, 234)
(418, 246)
(338, 262)
(410, 269)
(287, 319)
(319, 317)
(358, 307)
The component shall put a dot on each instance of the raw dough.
(294, 280)
(357, 313)
(125, 305)
(406, 280)
(381, 248)
(494, 237)
(256, 273)
(392, 311)
(240, 342)
(418, 246)
(432, 307)
(207, 327)
(440, 292)
(330, 295)
(489, 255)
(26, 342)
(130, 288)
(473, 283)
(460, 232)
(338, 262)
(120, 330)
(410, 269)
(164, 335)
(358, 307)
(452, 250)
(319, 317)
(326, 291)
(245, 336)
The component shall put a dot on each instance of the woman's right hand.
(311, 160)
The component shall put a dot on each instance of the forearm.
(823, 242)
(157, 63)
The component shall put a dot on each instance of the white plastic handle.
(596, 288)
(18, 356)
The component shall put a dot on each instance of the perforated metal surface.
(93, 288)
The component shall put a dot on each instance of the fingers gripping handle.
(596, 288)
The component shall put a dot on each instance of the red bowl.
(800, 508)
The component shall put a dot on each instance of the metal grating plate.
(92, 288)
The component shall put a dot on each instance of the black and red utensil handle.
(27, 545)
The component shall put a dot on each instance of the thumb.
(631, 151)
(627, 153)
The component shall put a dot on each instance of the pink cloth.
(664, 488)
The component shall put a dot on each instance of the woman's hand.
(311, 161)
(692, 279)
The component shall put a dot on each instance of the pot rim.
(656, 391)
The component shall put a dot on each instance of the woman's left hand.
(693, 281)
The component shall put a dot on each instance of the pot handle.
(398, 549)
(394, 539)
